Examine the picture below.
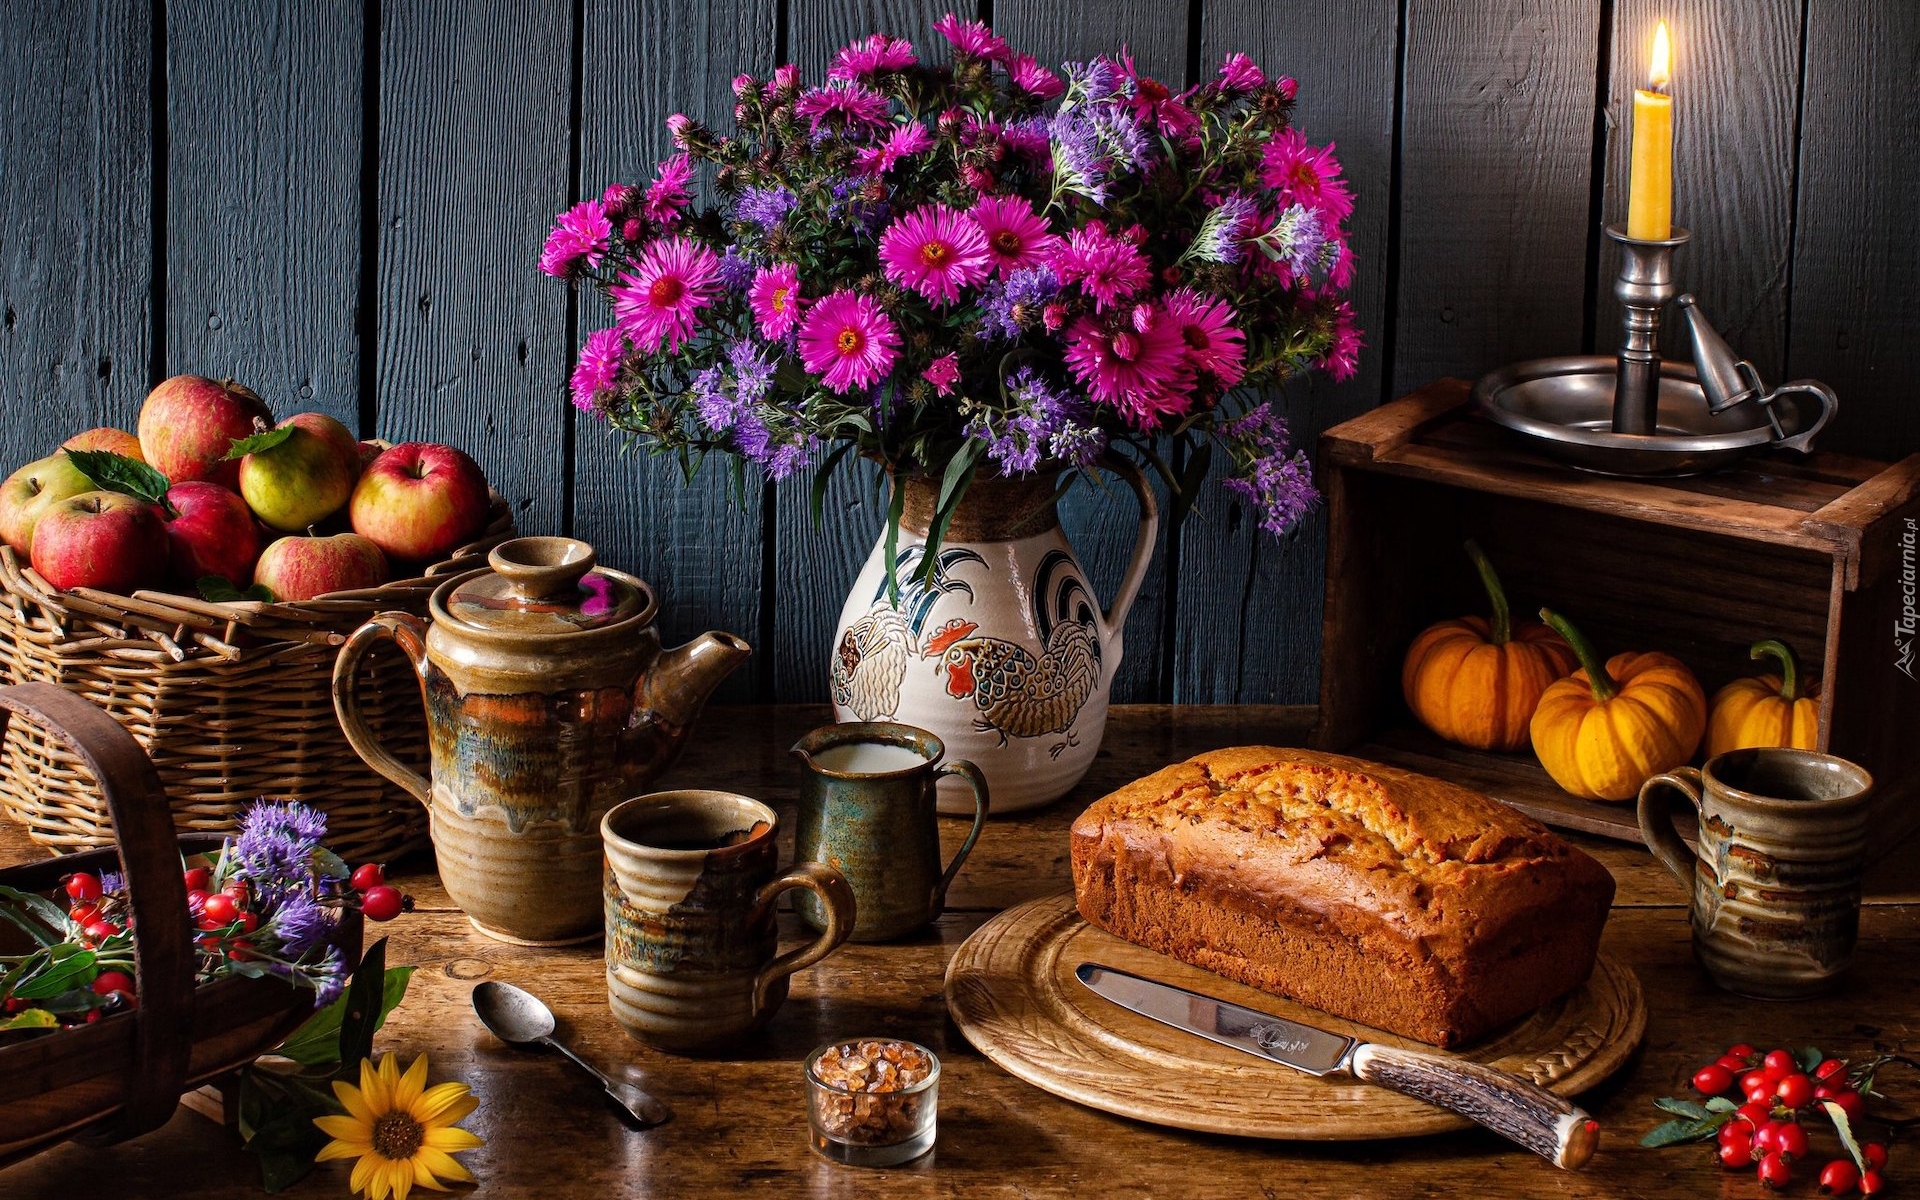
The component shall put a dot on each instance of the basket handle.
(409, 633)
(150, 857)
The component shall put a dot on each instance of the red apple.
(300, 568)
(305, 478)
(211, 533)
(420, 501)
(29, 492)
(106, 437)
(106, 540)
(188, 424)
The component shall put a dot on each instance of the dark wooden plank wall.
(341, 201)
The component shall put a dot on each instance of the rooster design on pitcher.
(1015, 693)
(870, 663)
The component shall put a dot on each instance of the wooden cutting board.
(1011, 989)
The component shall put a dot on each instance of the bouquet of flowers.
(976, 265)
(265, 906)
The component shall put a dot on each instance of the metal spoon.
(520, 1018)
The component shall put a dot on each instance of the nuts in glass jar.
(870, 1091)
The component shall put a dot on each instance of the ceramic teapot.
(548, 700)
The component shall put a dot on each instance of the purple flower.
(1274, 476)
(752, 374)
(1013, 305)
(112, 882)
(1224, 228)
(277, 841)
(1298, 239)
(1096, 80)
(329, 978)
(715, 405)
(301, 925)
(764, 206)
(1094, 144)
(736, 269)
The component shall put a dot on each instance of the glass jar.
(872, 1102)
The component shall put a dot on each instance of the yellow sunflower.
(399, 1129)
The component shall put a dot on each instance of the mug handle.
(409, 633)
(978, 783)
(1656, 823)
(836, 897)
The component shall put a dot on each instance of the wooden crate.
(1819, 551)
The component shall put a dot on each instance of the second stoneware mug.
(693, 961)
(1776, 879)
(867, 807)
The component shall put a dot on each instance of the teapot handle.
(1115, 617)
(409, 633)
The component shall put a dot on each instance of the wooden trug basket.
(123, 1076)
(231, 701)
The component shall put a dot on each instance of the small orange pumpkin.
(1475, 681)
(1767, 711)
(1608, 728)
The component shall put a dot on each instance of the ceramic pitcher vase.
(1003, 651)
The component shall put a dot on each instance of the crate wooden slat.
(1808, 549)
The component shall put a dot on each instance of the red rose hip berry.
(109, 982)
(1839, 1177)
(367, 875)
(82, 887)
(1712, 1080)
(382, 903)
(220, 909)
(1781, 1062)
(1876, 1155)
(1795, 1091)
(1775, 1170)
(1872, 1183)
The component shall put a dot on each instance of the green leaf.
(32, 1018)
(327, 863)
(112, 472)
(220, 590)
(1192, 476)
(1720, 1104)
(60, 972)
(895, 506)
(817, 504)
(47, 929)
(286, 1145)
(1844, 1127)
(1681, 1108)
(362, 1015)
(1810, 1058)
(317, 1043)
(1673, 1133)
(260, 441)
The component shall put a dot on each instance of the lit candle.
(1650, 181)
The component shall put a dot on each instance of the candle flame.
(1660, 70)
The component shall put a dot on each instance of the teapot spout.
(677, 686)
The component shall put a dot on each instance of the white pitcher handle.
(1115, 616)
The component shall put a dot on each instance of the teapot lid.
(546, 585)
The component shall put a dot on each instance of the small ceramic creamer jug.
(548, 700)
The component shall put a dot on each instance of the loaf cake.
(1372, 893)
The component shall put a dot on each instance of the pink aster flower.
(1154, 105)
(658, 300)
(579, 238)
(846, 105)
(775, 300)
(1214, 344)
(973, 37)
(1307, 175)
(943, 373)
(784, 84)
(871, 55)
(936, 251)
(848, 341)
(1032, 78)
(1141, 373)
(1108, 268)
(668, 193)
(904, 142)
(598, 367)
(1016, 236)
(1342, 358)
(1241, 74)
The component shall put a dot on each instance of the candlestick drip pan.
(1564, 407)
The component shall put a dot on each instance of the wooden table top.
(741, 1120)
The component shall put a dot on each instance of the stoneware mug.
(1776, 878)
(868, 809)
(691, 879)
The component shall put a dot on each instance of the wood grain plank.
(1100, 520)
(1496, 132)
(474, 143)
(1855, 252)
(818, 562)
(76, 179)
(1249, 605)
(1734, 89)
(263, 198)
(700, 550)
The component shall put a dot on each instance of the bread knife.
(1512, 1107)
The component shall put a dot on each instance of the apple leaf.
(112, 472)
(260, 441)
(220, 590)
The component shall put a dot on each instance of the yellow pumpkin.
(1767, 711)
(1608, 728)
(1475, 681)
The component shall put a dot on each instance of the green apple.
(301, 473)
(31, 491)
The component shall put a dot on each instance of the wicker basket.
(232, 701)
(123, 1075)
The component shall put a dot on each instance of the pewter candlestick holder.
(1635, 414)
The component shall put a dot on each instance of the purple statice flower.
(1015, 448)
(112, 882)
(717, 408)
(790, 457)
(849, 203)
(1224, 228)
(276, 843)
(1277, 478)
(1094, 81)
(752, 374)
(300, 925)
(328, 977)
(1297, 239)
(736, 268)
(1093, 145)
(1013, 305)
(764, 206)
(1062, 417)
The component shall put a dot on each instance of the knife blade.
(1512, 1107)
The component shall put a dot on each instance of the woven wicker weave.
(230, 700)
